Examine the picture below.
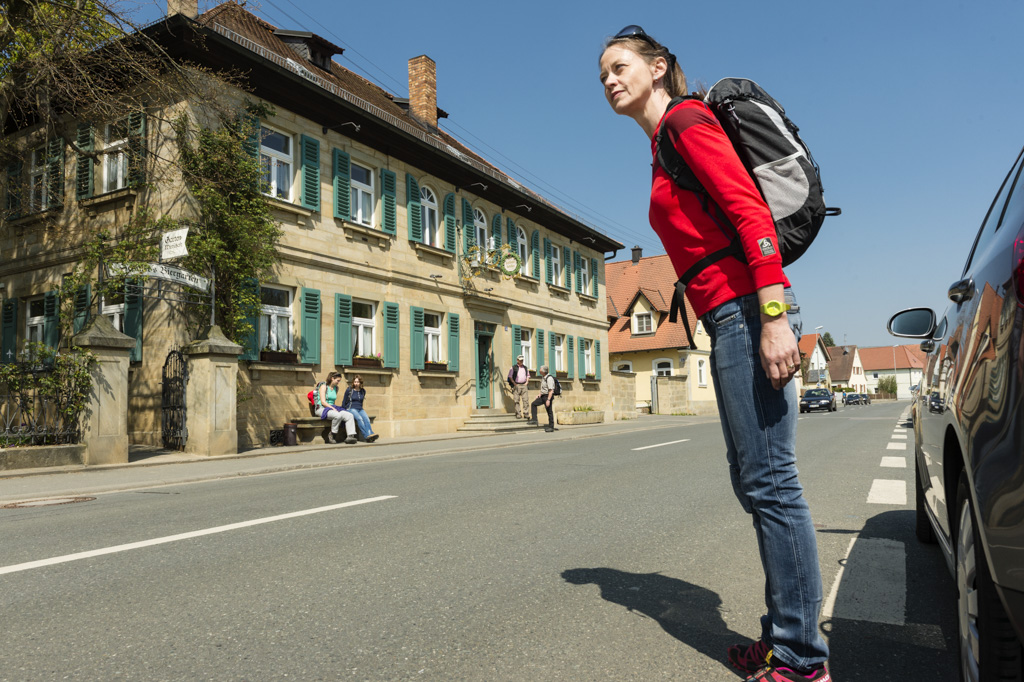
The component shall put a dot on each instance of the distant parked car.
(818, 399)
(969, 437)
(866, 397)
(853, 399)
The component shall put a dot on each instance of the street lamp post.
(895, 380)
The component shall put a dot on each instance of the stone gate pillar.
(105, 419)
(210, 395)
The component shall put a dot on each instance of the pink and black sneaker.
(780, 673)
(749, 659)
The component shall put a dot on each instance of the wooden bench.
(314, 429)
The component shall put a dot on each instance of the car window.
(1013, 212)
(816, 393)
(995, 213)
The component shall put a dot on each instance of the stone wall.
(622, 387)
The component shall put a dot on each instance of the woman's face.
(628, 80)
(335, 381)
(356, 383)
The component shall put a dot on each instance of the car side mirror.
(928, 345)
(913, 323)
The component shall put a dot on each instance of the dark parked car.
(969, 433)
(865, 398)
(853, 399)
(818, 399)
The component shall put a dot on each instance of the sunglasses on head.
(634, 31)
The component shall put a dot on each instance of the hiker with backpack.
(549, 388)
(324, 397)
(722, 240)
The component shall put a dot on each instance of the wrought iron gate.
(172, 404)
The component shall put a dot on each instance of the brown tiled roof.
(807, 344)
(840, 367)
(654, 278)
(882, 358)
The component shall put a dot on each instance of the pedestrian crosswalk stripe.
(885, 491)
(894, 462)
(896, 446)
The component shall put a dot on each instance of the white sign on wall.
(173, 244)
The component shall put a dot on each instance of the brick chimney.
(422, 89)
(637, 254)
(190, 8)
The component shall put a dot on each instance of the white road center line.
(894, 462)
(900, 436)
(873, 578)
(659, 445)
(896, 446)
(887, 492)
(182, 536)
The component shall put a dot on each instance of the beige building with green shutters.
(406, 259)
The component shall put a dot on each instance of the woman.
(326, 397)
(353, 402)
(742, 303)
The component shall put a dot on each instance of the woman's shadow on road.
(688, 612)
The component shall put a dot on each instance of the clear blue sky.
(911, 109)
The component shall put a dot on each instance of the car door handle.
(961, 291)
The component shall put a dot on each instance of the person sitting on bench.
(326, 396)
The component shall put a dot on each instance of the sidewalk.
(151, 467)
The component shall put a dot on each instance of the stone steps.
(494, 421)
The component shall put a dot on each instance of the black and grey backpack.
(779, 162)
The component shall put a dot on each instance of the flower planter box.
(562, 375)
(592, 417)
(279, 356)
(367, 362)
(435, 366)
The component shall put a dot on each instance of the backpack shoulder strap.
(670, 159)
(316, 393)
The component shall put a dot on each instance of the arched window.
(522, 246)
(624, 366)
(662, 367)
(702, 373)
(428, 201)
(480, 226)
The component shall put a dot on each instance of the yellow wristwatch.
(774, 308)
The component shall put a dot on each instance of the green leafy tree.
(887, 384)
(827, 340)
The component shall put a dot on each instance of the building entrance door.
(484, 363)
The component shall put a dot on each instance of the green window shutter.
(342, 329)
(9, 331)
(593, 277)
(15, 187)
(468, 226)
(133, 319)
(389, 201)
(416, 341)
(83, 299)
(309, 350)
(84, 181)
(250, 341)
(565, 267)
(55, 172)
(309, 159)
(451, 231)
(597, 359)
(453, 342)
(551, 352)
(578, 266)
(535, 253)
(136, 175)
(51, 319)
(547, 262)
(511, 227)
(414, 209)
(517, 342)
(569, 357)
(342, 185)
(496, 229)
(391, 331)
(251, 145)
(581, 344)
(540, 348)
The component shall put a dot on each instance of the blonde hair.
(649, 49)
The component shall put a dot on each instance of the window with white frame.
(526, 347)
(112, 308)
(428, 204)
(364, 328)
(559, 364)
(663, 368)
(275, 318)
(480, 229)
(432, 337)
(643, 323)
(361, 181)
(556, 264)
(38, 197)
(522, 247)
(588, 356)
(702, 373)
(276, 162)
(35, 319)
(624, 366)
(585, 275)
(115, 156)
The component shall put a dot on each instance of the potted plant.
(367, 360)
(435, 366)
(269, 354)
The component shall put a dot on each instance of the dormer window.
(643, 323)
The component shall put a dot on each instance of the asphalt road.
(624, 557)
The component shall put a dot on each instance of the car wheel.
(922, 527)
(989, 650)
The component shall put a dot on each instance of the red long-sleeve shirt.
(688, 233)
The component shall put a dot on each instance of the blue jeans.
(759, 423)
(362, 421)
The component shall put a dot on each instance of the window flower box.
(370, 362)
(562, 375)
(283, 357)
(435, 366)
